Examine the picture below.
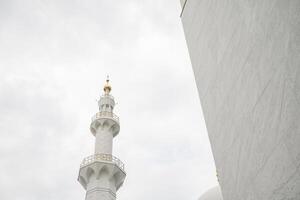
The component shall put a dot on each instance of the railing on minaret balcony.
(105, 114)
(103, 158)
(107, 96)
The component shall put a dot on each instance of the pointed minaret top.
(107, 87)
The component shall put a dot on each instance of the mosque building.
(245, 58)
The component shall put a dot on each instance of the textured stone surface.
(246, 60)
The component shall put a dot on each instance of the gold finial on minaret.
(107, 87)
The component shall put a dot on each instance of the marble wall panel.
(246, 60)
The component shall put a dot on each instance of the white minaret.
(102, 174)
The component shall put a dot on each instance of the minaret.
(102, 174)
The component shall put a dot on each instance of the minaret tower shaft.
(102, 174)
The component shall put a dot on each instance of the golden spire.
(107, 87)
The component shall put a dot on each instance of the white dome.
(212, 194)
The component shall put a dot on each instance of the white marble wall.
(246, 60)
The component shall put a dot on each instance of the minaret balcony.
(106, 158)
(105, 114)
(105, 119)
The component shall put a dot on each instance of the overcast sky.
(54, 58)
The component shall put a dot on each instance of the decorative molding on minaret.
(102, 174)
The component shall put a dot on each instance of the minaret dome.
(107, 87)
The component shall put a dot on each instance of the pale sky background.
(54, 58)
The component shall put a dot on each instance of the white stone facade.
(246, 60)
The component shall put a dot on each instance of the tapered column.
(104, 142)
(102, 174)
